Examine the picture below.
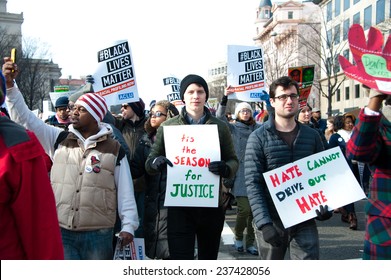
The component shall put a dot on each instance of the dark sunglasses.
(125, 106)
(156, 114)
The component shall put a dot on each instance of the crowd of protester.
(108, 174)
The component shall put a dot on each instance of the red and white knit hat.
(95, 105)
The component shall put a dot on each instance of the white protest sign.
(299, 188)
(115, 77)
(246, 73)
(191, 148)
(171, 89)
(57, 94)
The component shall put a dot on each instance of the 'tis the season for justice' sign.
(299, 188)
(191, 148)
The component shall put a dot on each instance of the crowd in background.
(108, 174)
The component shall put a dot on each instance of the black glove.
(219, 168)
(224, 100)
(323, 213)
(90, 79)
(271, 236)
(160, 162)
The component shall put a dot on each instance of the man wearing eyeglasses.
(280, 141)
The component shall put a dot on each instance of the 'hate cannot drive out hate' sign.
(299, 188)
(191, 148)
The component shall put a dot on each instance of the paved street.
(337, 241)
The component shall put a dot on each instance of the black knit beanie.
(193, 79)
(138, 107)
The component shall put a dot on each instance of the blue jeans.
(88, 245)
(301, 239)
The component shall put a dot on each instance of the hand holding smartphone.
(13, 55)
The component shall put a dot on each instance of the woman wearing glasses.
(155, 214)
(240, 131)
(304, 116)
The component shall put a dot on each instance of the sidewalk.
(337, 241)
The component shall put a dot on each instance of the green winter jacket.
(227, 150)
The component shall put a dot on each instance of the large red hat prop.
(372, 62)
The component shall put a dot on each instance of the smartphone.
(13, 55)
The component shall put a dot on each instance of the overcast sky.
(170, 37)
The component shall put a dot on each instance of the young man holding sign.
(278, 142)
(186, 223)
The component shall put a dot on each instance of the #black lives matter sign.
(115, 77)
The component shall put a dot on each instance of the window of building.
(356, 90)
(337, 34)
(345, 54)
(346, 4)
(356, 18)
(355, 1)
(367, 17)
(329, 64)
(337, 7)
(347, 91)
(337, 66)
(329, 35)
(346, 26)
(380, 11)
(329, 11)
(338, 96)
(290, 15)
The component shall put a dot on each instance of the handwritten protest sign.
(246, 73)
(299, 188)
(57, 94)
(189, 182)
(115, 77)
(304, 76)
(372, 65)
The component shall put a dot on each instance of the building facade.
(288, 34)
(11, 36)
(339, 15)
(11, 22)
